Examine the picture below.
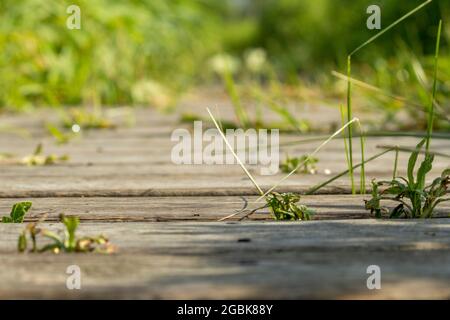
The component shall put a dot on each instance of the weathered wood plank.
(136, 162)
(322, 259)
(181, 209)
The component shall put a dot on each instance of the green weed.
(18, 212)
(285, 206)
(349, 87)
(66, 242)
(416, 200)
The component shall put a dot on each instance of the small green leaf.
(412, 161)
(18, 212)
(397, 212)
(424, 168)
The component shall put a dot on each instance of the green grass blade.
(342, 111)
(343, 173)
(394, 171)
(239, 110)
(362, 187)
(350, 133)
(433, 94)
(379, 34)
(234, 153)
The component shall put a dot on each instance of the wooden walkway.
(163, 218)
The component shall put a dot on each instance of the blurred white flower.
(222, 63)
(255, 59)
(150, 92)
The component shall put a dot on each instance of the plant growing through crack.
(415, 199)
(283, 206)
(65, 241)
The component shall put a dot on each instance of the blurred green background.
(150, 52)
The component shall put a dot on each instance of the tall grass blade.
(342, 111)
(349, 85)
(362, 187)
(394, 172)
(379, 34)
(433, 94)
(239, 109)
(234, 153)
(349, 116)
(380, 91)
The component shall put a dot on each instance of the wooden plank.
(251, 260)
(181, 209)
(136, 162)
(139, 171)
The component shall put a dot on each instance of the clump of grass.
(307, 164)
(285, 206)
(18, 212)
(67, 242)
(349, 89)
(38, 159)
(415, 199)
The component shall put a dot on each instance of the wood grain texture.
(183, 209)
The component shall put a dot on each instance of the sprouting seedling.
(37, 159)
(68, 242)
(309, 164)
(282, 206)
(415, 199)
(349, 85)
(18, 212)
